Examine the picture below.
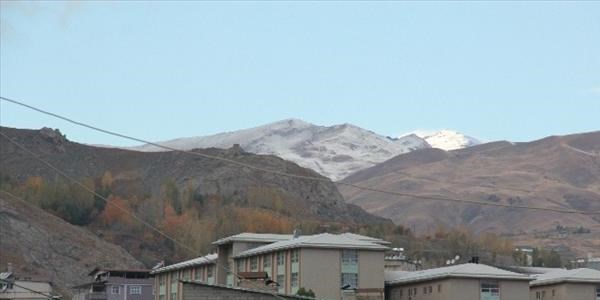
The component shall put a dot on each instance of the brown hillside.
(41, 245)
(556, 172)
(224, 198)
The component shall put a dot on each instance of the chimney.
(297, 233)
(9, 268)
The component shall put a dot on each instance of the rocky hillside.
(333, 151)
(556, 172)
(41, 245)
(174, 191)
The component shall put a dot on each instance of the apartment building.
(332, 265)
(576, 284)
(457, 282)
(231, 246)
(284, 263)
(166, 279)
(116, 284)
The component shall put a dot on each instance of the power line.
(190, 249)
(319, 179)
(83, 186)
(28, 289)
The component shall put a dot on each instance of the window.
(135, 290)
(439, 288)
(266, 262)
(198, 274)
(240, 265)
(424, 290)
(161, 297)
(351, 279)
(349, 257)
(281, 282)
(537, 295)
(280, 258)
(430, 289)
(553, 293)
(415, 291)
(115, 290)
(490, 290)
(598, 293)
(294, 280)
(254, 263)
(350, 268)
(294, 256)
(209, 275)
(186, 274)
(400, 293)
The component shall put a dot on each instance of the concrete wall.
(371, 269)
(457, 289)
(320, 271)
(514, 289)
(565, 291)
(193, 291)
(224, 252)
(19, 293)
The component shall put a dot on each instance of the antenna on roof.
(297, 233)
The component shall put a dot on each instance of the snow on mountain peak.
(334, 151)
(446, 139)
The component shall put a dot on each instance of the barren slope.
(41, 245)
(555, 172)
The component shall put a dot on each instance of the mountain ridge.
(334, 151)
(545, 173)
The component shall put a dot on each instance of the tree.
(305, 293)
(173, 196)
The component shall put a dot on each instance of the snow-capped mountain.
(334, 151)
(448, 140)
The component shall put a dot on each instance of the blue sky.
(160, 70)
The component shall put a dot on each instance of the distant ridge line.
(276, 172)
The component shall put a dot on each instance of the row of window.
(133, 290)
(266, 261)
(414, 291)
(187, 273)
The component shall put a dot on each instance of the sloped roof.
(531, 270)
(456, 271)
(323, 240)
(254, 237)
(198, 261)
(582, 275)
(365, 238)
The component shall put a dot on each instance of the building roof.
(582, 275)
(365, 238)
(531, 270)
(198, 261)
(254, 237)
(323, 240)
(104, 270)
(456, 271)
